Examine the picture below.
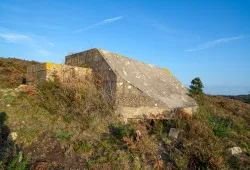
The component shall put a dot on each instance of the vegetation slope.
(63, 126)
(12, 71)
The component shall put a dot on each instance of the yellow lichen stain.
(118, 56)
(49, 66)
(58, 65)
(166, 70)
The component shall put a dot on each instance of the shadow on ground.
(10, 153)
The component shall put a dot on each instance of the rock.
(189, 110)
(8, 105)
(138, 134)
(174, 133)
(234, 150)
(12, 136)
(20, 88)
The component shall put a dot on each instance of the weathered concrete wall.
(101, 70)
(124, 93)
(129, 100)
(133, 103)
(64, 73)
(130, 96)
(151, 80)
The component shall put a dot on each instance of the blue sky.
(209, 39)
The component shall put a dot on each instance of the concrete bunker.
(138, 90)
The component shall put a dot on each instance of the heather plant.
(81, 102)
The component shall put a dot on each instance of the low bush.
(79, 102)
(120, 131)
(63, 135)
(221, 126)
(82, 146)
(18, 163)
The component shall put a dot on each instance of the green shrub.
(18, 164)
(122, 130)
(28, 133)
(221, 126)
(9, 97)
(63, 135)
(221, 131)
(82, 146)
(67, 118)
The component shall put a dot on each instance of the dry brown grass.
(77, 118)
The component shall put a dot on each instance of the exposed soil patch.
(47, 152)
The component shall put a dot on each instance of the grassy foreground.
(62, 126)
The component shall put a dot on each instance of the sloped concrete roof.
(152, 80)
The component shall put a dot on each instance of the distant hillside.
(243, 98)
(12, 71)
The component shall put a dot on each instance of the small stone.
(8, 105)
(174, 133)
(20, 88)
(138, 134)
(12, 136)
(234, 150)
